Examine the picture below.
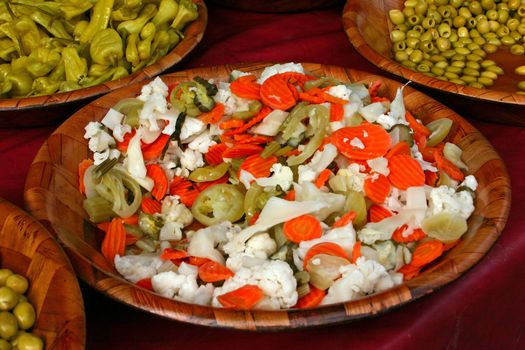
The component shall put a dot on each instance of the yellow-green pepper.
(52, 25)
(99, 20)
(132, 53)
(45, 86)
(8, 30)
(136, 25)
(42, 61)
(75, 66)
(188, 11)
(5, 13)
(28, 32)
(22, 83)
(127, 10)
(106, 47)
(96, 70)
(7, 49)
(167, 12)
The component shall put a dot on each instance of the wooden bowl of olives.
(50, 68)
(470, 53)
(41, 304)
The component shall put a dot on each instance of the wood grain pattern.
(367, 27)
(51, 109)
(28, 249)
(279, 6)
(51, 195)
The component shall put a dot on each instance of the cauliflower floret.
(191, 127)
(190, 159)
(372, 111)
(307, 191)
(202, 142)
(155, 102)
(260, 246)
(470, 182)
(355, 180)
(363, 277)
(231, 102)
(99, 157)
(157, 86)
(340, 91)
(444, 198)
(320, 160)
(280, 68)
(369, 235)
(205, 241)
(281, 176)
(379, 165)
(275, 278)
(137, 267)
(99, 139)
(386, 121)
(175, 216)
(113, 121)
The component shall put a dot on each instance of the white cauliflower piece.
(157, 86)
(379, 165)
(386, 121)
(271, 123)
(155, 102)
(260, 246)
(275, 278)
(205, 241)
(99, 139)
(281, 176)
(202, 142)
(470, 182)
(320, 160)
(99, 157)
(137, 267)
(231, 102)
(175, 216)
(355, 180)
(307, 191)
(363, 277)
(190, 159)
(191, 127)
(246, 178)
(113, 121)
(280, 68)
(340, 91)
(372, 111)
(444, 198)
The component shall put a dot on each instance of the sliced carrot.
(431, 178)
(428, 152)
(377, 188)
(122, 146)
(401, 147)
(243, 298)
(214, 155)
(276, 93)
(336, 112)
(257, 119)
(375, 141)
(82, 167)
(242, 150)
(409, 271)
(290, 195)
(187, 196)
(345, 219)
(416, 235)
(258, 139)
(154, 149)
(416, 126)
(160, 181)
(311, 299)
(197, 260)
(145, 283)
(427, 252)
(103, 226)
(293, 152)
(334, 100)
(448, 167)
(302, 228)
(373, 88)
(131, 239)
(173, 254)
(377, 213)
(356, 252)
(246, 87)
(212, 271)
(150, 206)
(379, 99)
(420, 140)
(258, 166)
(114, 242)
(326, 141)
(254, 219)
(322, 178)
(328, 248)
(213, 116)
(185, 189)
(231, 124)
(306, 97)
(405, 172)
(201, 186)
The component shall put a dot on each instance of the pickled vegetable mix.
(283, 190)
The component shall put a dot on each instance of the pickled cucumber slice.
(445, 226)
(439, 130)
(355, 201)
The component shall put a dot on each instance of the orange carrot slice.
(114, 241)
(150, 206)
(377, 213)
(231, 124)
(409, 271)
(431, 178)
(122, 146)
(82, 167)
(276, 93)
(373, 88)
(377, 188)
(356, 252)
(214, 155)
(254, 219)
(212, 271)
(242, 150)
(290, 195)
(258, 166)
(243, 298)
(160, 181)
(448, 167)
(428, 152)
(173, 254)
(254, 139)
(345, 219)
(362, 142)
(322, 178)
(328, 248)
(336, 112)
(197, 260)
(405, 172)
(302, 228)
(306, 97)
(427, 252)
(246, 87)
(416, 235)
(258, 118)
(213, 116)
(416, 126)
(311, 299)
(401, 147)
(154, 149)
(131, 239)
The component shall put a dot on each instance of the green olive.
(459, 64)
(397, 35)
(483, 27)
(18, 283)
(463, 32)
(517, 50)
(475, 8)
(29, 341)
(413, 34)
(507, 40)
(521, 85)
(401, 56)
(459, 21)
(480, 41)
(416, 56)
(468, 78)
(520, 70)
(492, 15)
(25, 315)
(400, 46)
(473, 65)
(477, 85)
(496, 69)
(453, 69)
(439, 130)
(451, 75)
(513, 24)
(441, 64)
(489, 74)
(485, 81)
(471, 72)
(464, 12)
(513, 4)
(4, 273)
(493, 26)
(8, 325)
(503, 16)
(4, 345)
(218, 203)
(489, 48)
(437, 71)
(396, 17)
(8, 298)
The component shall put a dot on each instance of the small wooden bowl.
(52, 109)
(277, 6)
(367, 25)
(27, 248)
(51, 194)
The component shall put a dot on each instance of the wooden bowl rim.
(54, 247)
(296, 318)
(193, 35)
(389, 65)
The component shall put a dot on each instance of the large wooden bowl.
(279, 6)
(27, 248)
(51, 109)
(367, 26)
(52, 196)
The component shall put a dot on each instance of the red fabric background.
(484, 309)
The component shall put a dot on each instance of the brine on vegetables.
(272, 191)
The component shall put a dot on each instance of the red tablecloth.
(484, 309)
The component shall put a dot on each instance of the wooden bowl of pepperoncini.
(57, 57)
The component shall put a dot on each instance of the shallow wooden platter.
(367, 26)
(27, 248)
(279, 6)
(52, 109)
(51, 195)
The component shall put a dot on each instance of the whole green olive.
(25, 315)
(8, 325)
(8, 298)
(18, 283)
(4, 273)
(29, 341)
(4, 345)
